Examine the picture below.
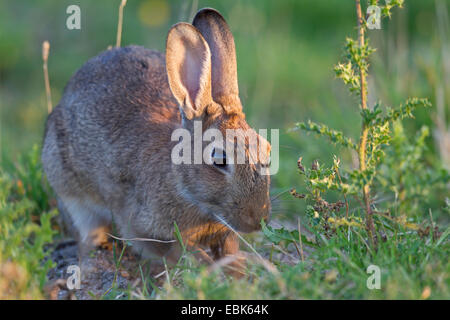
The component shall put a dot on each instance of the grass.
(25, 228)
(411, 268)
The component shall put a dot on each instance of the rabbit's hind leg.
(91, 220)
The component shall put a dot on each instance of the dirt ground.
(98, 272)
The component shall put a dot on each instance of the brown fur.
(107, 146)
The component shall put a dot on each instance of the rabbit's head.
(230, 184)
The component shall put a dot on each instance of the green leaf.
(279, 235)
(334, 136)
(443, 237)
(178, 236)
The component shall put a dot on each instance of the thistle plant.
(374, 140)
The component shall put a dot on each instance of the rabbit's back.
(116, 112)
(121, 82)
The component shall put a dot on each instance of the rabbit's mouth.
(241, 226)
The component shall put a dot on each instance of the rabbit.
(107, 146)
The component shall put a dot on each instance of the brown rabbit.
(107, 146)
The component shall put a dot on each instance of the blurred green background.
(286, 50)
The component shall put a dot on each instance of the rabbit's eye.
(219, 158)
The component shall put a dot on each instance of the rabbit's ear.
(188, 64)
(218, 35)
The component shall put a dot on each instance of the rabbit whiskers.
(141, 239)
